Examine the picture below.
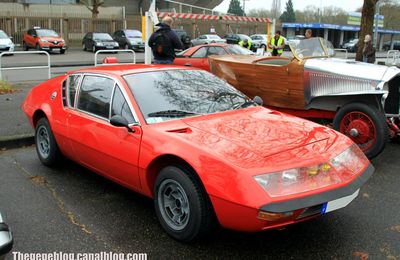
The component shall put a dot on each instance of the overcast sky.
(348, 5)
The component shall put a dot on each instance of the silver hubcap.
(353, 132)
(126, 47)
(173, 204)
(43, 141)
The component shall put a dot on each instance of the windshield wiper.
(171, 113)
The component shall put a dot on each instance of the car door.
(198, 59)
(109, 150)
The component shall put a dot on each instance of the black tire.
(84, 47)
(94, 49)
(126, 46)
(46, 146)
(198, 222)
(361, 117)
(25, 46)
(38, 47)
(62, 51)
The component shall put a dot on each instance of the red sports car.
(197, 56)
(197, 146)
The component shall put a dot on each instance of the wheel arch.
(163, 161)
(37, 116)
(334, 103)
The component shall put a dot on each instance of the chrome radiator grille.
(323, 84)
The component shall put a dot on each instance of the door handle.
(188, 65)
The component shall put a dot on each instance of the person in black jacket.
(164, 41)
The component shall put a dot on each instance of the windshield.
(3, 35)
(101, 36)
(214, 37)
(308, 48)
(236, 49)
(46, 33)
(133, 34)
(169, 95)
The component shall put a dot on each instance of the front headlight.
(304, 179)
(99, 43)
(43, 40)
(115, 43)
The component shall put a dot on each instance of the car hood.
(254, 137)
(351, 68)
(5, 42)
(52, 38)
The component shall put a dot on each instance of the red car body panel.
(201, 63)
(225, 149)
(34, 41)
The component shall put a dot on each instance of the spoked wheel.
(182, 205)
(46, 145)
(365, 125)
(126, 47)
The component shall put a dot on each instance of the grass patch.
(6, 88)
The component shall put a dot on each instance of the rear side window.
(216, 51)
(120, 106)
(95, 95)
(73, 82)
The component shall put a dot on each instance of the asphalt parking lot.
(71, 209)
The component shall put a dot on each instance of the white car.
(259, 40)
(6, 43)
(207, 39)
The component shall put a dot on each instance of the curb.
(17, 141)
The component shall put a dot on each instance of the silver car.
(207, 39)
(259, 40)
(6, 239)
(6, 43)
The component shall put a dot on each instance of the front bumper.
(6, 239)
(243, 218)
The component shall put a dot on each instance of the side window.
(203, 37)
(73, 81)
(95, 95)
(216, 51)
(200, 53)
(120, 106)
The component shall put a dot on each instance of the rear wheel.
(126, 46)
(46, 146)
(84, 47)
(182, 205)
(365, 125)
(94, 49)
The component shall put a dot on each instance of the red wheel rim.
(360, 128)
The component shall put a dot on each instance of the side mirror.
(11, 37)
(6, 239)
(120, 121)
(258, 100)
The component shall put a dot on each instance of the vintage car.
(202, 153)
(354, 96)
(6, 239)
(197, 56)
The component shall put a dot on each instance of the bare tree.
(366, 27)
(276, 9)
(93, 6)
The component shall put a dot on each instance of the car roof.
(126, 69)
(195, 48)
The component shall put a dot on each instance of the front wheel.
(62, 51)
(94, 49)
(182, 205)
(46, 146)
(365, 125)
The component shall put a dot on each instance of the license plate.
(109, 47)
(339, 203)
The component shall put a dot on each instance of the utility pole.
(244, 7)
(377, 11)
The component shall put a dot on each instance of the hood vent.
(185, 130)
